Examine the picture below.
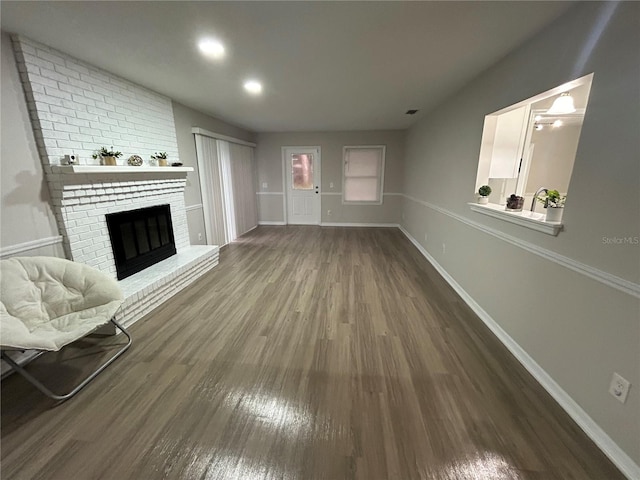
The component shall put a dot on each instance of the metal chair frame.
(36, 383)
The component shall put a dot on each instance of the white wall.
(575, 326)
(25, 213)
(269, 164)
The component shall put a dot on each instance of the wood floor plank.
(307, 353)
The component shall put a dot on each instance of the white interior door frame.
(285, 181)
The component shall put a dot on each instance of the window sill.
(527, 219)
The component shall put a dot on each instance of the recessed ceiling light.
(253, 86)
(537, 118)
(211, 48)
(557, 123)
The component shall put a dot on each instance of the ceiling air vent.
(411, 112)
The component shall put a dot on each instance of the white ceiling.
(324, 65)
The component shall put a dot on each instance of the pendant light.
(562, 104)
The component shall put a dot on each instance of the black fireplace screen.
(140, 238)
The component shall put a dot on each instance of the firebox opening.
(140, 238)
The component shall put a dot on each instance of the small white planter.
(483, 200)
(554, 214)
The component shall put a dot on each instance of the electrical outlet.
(265, 185)
(444, 248)
(619, 388)
(199, 236)
(330, 184)
(329, 213)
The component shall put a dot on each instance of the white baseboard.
(625, 463)
(347, 224)
(340, 224)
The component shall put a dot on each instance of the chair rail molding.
(30, 245)
(613, 281)
(197, 206)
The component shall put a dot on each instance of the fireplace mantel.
(106, 169)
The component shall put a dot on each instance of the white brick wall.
(81, 202)
(151, 287)
(78, 108)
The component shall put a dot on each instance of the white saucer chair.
(47, 303)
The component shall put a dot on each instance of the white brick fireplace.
(76, 109)
(84, 195)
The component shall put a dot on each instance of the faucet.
(535, 196)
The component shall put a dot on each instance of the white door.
(302, 172)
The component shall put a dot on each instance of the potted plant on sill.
(514, 203)
(484, 191)
(161, 158)
(554, 203)
(108, 156)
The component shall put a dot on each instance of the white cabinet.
(508, 142)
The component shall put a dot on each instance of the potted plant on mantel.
(161, 158)
(554, 203)
(108, 156)
(484, 191)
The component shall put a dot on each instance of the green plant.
(158, 155)
(552, 199)
(484, 190)
(103, 152)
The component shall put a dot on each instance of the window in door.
(302, 171)
(363, 174)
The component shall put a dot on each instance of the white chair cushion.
(48, 302)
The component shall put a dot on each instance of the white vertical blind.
(211, 189)
(227, 190)
(227, 183)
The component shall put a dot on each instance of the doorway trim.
(285, 190)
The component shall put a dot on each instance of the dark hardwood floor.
(308, 353)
